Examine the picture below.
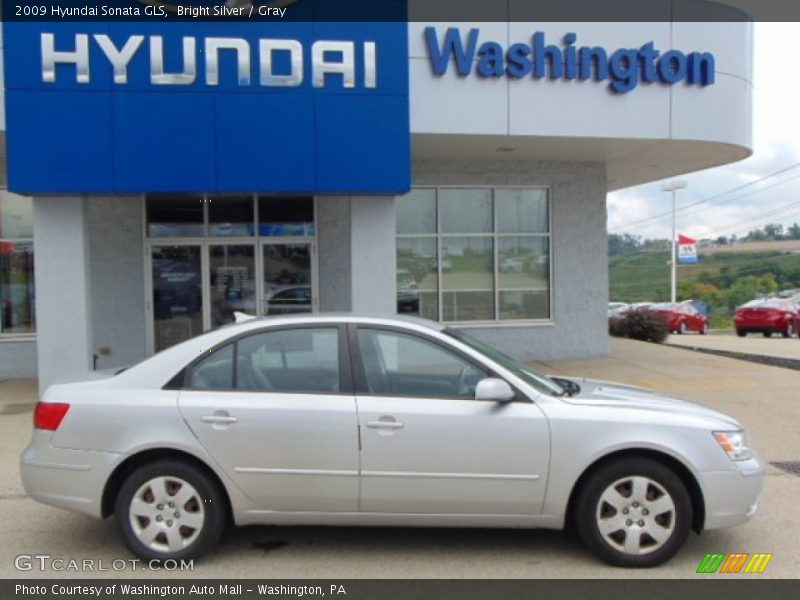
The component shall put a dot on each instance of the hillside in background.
(725, 277)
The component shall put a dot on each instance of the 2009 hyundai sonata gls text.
(345, 420)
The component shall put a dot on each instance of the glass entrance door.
(232, 270)
(199, 286)
(177, 276)
(287, 275)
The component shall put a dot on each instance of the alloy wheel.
(166, 514)
(635, 515)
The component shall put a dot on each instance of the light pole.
(674, 186)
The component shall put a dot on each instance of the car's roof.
(349, 317)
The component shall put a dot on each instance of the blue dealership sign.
(291, 107)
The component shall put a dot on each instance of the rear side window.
(290, 360)
(214, 372)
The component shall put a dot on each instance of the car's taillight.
(48, 415)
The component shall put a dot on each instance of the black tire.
(789, 331)
(767, 334)
(214, 509)
(741, 333)
(588, 504)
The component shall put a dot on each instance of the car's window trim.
(361, 387)
(182, 379)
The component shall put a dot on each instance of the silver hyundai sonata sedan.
(348, 420)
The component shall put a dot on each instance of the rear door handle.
(385, 425)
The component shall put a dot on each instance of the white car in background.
(350, 420)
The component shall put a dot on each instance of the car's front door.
(427, 446)
(276, 411)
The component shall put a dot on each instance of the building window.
(474, 254)
(17, 292)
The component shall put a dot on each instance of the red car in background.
(767, 316)
(681, 317)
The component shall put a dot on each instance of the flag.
(687, 250)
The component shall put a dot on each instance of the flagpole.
(673, 187)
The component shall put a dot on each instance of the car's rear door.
(276, 411)
(428, 446)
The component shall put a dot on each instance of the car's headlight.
(735, 443)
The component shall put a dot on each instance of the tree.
(793, 232)
(698, 290)
(774, 231)
(749, 287)
(623, 244)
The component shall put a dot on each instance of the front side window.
(17, 291)
(404, 365)
(474, 254)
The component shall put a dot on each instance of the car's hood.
(616, 395)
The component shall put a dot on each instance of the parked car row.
(767, 316)
(681, 317)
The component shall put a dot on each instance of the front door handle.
(385, 425)
(220, 417)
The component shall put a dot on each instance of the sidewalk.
(754, 343)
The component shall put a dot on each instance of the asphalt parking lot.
(754, 343)
(765, 398)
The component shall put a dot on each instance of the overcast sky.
(776, 138)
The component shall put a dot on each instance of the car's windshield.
(540, 382)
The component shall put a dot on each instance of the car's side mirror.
(494, 390)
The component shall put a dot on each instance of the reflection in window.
(285, 216)
(230, 216)
(522, 211)
(233, 282)
(171, 215)
(398, 364)
(214, 372)
(417, 278)
(177, 294)
(468, 282)
(16, 216)
(488, 259)
(291, 360)
(17, 292)
(417, 212)
(465, 210)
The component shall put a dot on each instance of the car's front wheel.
(170, 509)
(633, 512)
(789, 331)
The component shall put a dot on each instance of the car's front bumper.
(69, 479)
(731, 496)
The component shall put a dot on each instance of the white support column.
(63, 292)
(373, 255)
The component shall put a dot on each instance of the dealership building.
(159, 178)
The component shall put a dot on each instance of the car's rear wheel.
(633, 512)
(741, 333)
(767, 334)
(682, 328)
(170, 509)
